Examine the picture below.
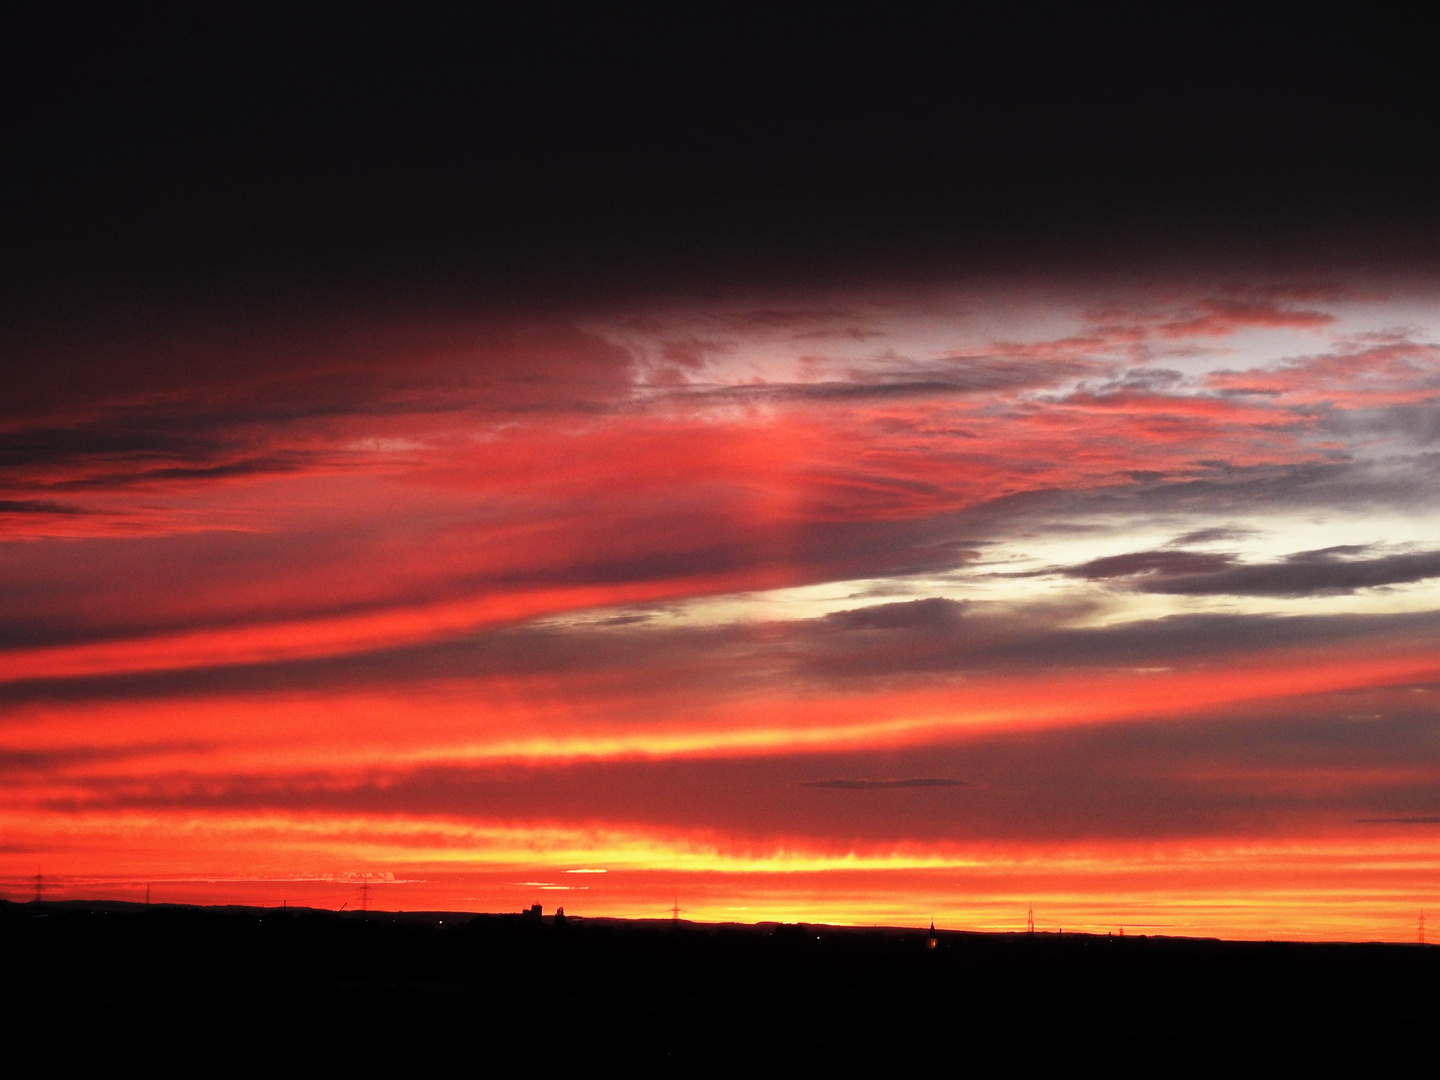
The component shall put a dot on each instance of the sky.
(777, 517)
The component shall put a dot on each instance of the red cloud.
(281, 600)
(1369, 373)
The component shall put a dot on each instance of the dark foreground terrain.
(104, 982)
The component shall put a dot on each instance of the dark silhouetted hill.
(103, 982)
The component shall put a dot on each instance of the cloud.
(1217, 317)
(932, 613)
(1227, 488)
(1396, 428)
(194, 407)
(1326, 572)
(1283, 774)
(1321, 572)
(1038, 641)
(1204, 317)
(440, 576)
(1365, 372)
(1435, 820)
(1214, 534)
(18, 766)
(1149, 562)
(692, 352)
(885, 647)
(38, 506)
(886, 379)
(884, 785)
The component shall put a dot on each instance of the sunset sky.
(928, 566)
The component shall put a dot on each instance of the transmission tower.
(675, 914)
(1030, 920)
(364, 895)
(1421, 937)
(39, 886)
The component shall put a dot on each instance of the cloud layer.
(795, 578)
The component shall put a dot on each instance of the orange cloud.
(408, 597)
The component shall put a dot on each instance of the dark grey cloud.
(1219, 489)
(205, 403)
(1213, 535)
(49, 596)
(1148, 380)
(1328, 554)
(933, 641)
(146, 446)
(1327, 572)
(1150, 562)
(1323, 571)
(934, 613)
(979, 640)
(1417, 425)
(38, 506)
